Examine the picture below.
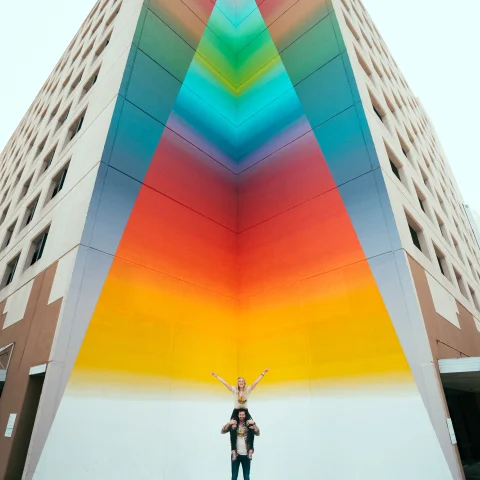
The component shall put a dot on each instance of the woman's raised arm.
(222, 380)
(256, 382)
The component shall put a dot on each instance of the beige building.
(431, 216)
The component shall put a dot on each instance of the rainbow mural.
(246, 243)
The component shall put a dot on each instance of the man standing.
(240, 455)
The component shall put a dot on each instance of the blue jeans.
(245, 461)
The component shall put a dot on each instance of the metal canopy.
(461, 373)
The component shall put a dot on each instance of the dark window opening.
(439, 260)
(395, 170)
(38, 246)
(10, 271)
(422, 206)
(31, 211)
(58, 181)
(76, 126)
(9, 235)
(415, 238)
(49, 158)
(379, 115)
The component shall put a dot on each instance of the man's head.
(242, 414)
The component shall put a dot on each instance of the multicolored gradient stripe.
(240, 122)
(239, 228)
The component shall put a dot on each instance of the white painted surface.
(445, 303)
(38, 369)
(334, 436)
(16, 305)
(459, 365)
(63, 275)
(10, 424)
(451, 431)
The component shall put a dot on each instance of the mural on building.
(247, 246)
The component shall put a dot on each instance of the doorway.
(24, 427)
(464, 408)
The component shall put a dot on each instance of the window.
(375, 66)
(415, 237)
(417, 234)
(58, 181)
(19, 176)
(30, 211)
(363, 63)
(395, 170)
(111, 18)
(103, 46)
(90, 82)
(26, 187)
(76, 82)
(404, 147)
(376, 107)
(352, 28)
(67, 80)
(76, 126)
(55, 110)
(457, 248)
(41, 146)
(37, 248)
(441, 226)
(460, 283)
(472, 269)
(441, 261)
(63, 117)
(474, 297)
(87, 51)
(4, 214)
(10, 271)
(390, 104)
(5, 356)
(74, 59)
(421, 198)
(442, 203)
(9, 235)
(47, 161)
(97, 25)
(395, 164)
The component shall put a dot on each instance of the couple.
(241, 427)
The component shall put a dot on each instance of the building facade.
(226, 186)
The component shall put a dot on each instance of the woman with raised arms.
(241, 394)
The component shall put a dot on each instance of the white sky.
(435, 43)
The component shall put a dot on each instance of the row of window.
(455, 213)
(27, 140)
(23, 139)
(391, 120)
(73, 130)
(403, 109)
(418, 239)
(35, 253)
(384, 66)
(418, 130)
(56, 186)
(57, 121)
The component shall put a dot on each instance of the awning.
(461, 373)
